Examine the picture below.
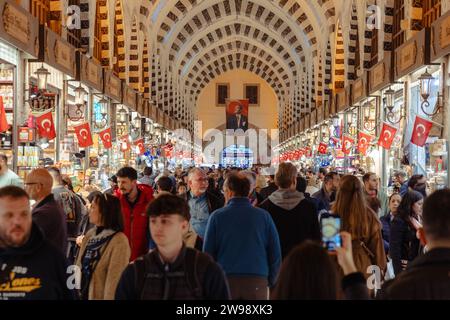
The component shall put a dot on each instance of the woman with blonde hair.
(358, 219)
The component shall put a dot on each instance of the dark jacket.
(267, 191)
(135, 220)
(403, 244)
(386, 221)
(214, 201)
(324, 198)
(210, 276)
(294, 225)
(51, 218)
(38, 269)
(354, 287)
(426, 278)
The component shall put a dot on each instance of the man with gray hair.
(201, 201)
(295, 217)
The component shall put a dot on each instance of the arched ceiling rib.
(237, 44)
(234, 32)
(247, 61)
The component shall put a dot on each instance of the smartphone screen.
(331, 226)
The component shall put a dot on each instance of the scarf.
(92, 254)
(286, 199)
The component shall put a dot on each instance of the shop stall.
(424, 113)
(112, 89)
(440, 53)
(19, 41)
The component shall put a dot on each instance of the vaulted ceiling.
(278, 40)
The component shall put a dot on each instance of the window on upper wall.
(374, 48)
(98, 33)
(251, 92)
(431, 11)
(398, 35)
(116, 67)
(40, 9)
(222, 93)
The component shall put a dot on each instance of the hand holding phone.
(331, 227)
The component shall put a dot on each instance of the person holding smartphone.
(362, 223)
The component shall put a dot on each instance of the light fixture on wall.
(425, 91)
(389, 105)
(42, 75)
(369, 122)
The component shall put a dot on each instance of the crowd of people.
(220, 234)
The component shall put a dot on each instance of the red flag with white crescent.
(347, 144)
(322, 148)
(387, 136)
(422, 128)
(140, 144)
(84, 135)
(364, 141)
(106, 138)
(46, 126)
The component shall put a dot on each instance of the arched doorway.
(236, 156)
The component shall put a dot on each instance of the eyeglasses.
(31, 183)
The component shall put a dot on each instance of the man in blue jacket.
(244, 241)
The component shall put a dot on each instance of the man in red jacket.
(134, 199)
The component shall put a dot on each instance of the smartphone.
(331, 227)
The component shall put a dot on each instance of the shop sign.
(18, 27)
(413, 54)
(359, 89)
(113, 86)
(60, 54)
(154, 113)
(341, 100)
(320, 111)
(440, 32)
(307, 121)
(91, 73)
(129, 98)
(26, 135)
(381, 74)
(312, 118)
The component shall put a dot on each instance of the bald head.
(38, 184)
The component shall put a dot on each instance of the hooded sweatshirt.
(35, 271)
(295, 219)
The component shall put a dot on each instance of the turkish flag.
(421, 131)
(140, 144)
(105, 135)
(84, 135)
(364, 140)
(322, 148)
(347, 144)
(45, 126)
(124, 143)
(387, 136)
(3, 122)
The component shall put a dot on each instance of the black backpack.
(195, 265)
